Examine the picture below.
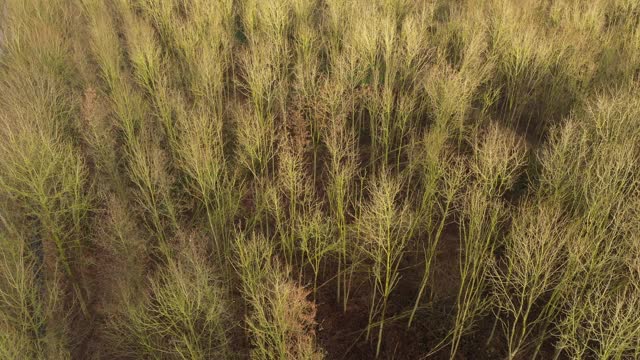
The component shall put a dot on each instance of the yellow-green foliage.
(426, 169)
(29, 316)
(181, 317)
(280, 319)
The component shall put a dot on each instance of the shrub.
(280, 319)
(182, 316)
